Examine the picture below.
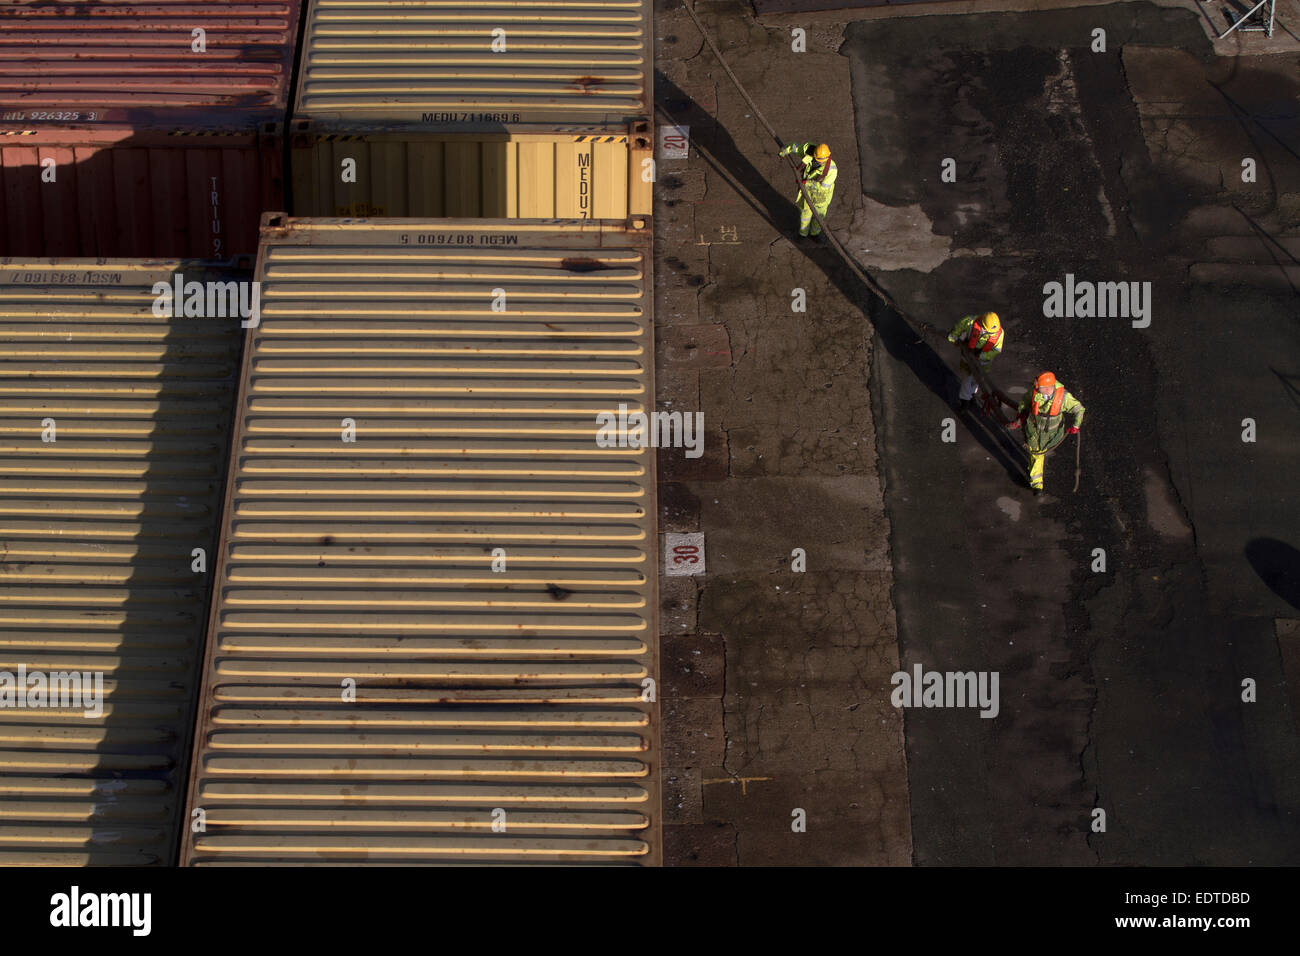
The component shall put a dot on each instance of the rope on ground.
(870, 283)
(1078, 466)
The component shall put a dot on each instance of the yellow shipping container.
(114, 422)
(434, 636)
(536, 109)
(584, 175)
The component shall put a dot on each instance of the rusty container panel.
(117, 194)
(434, 626)
(590, 174)
(119, 137)
(140, 66)
(114, 423)
(449, 65)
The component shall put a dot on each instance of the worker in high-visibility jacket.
(818, 172)
(981, 338)
(1042, 416)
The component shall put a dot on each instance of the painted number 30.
(686, 554)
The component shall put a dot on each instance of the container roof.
(135, 64)
(100, 525)
(446, 64)
(436, 612)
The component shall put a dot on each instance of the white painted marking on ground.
(674, 142)
(1010, 506)
(684, 554)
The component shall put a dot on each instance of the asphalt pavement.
(1142, 627)
(1123, 688)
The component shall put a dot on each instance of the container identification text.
(67, 278)
(456, 239)
(469, 117)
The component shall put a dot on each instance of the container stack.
(423, 625)
(434, 636)
(132, 129)
(114, 425)
(532, 110)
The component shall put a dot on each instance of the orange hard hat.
(1045, 382)
(822, 153)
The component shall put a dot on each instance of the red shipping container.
(142, 129)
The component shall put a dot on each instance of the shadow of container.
(115, 424)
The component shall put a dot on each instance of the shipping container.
(498, 176)
(114, 424)
(434, 632)
(532, 109)
(142, 129)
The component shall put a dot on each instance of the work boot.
(963, 404)
(804, 233)
(1038, 492)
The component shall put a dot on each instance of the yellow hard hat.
(991, 322)
(822, 153)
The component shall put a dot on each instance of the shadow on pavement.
(1278, 565)
(719, 149)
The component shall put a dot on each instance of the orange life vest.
(975, 332)
(1058, 399)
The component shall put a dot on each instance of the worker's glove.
(1013, 425)
(952, 340)
(787, 150)
(1073, 429)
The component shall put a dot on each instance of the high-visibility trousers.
(1037, 458)
(821, 202)
(969, 388)
(1036, 461)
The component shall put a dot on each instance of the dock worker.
(1042, 414)
(817, 171)
(980, 338)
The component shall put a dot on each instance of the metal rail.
(1240, 23)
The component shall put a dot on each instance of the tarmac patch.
(1162, 514)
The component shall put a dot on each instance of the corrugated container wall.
(533, 109)
(434, 636)
(142, 129)
(114, 424)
